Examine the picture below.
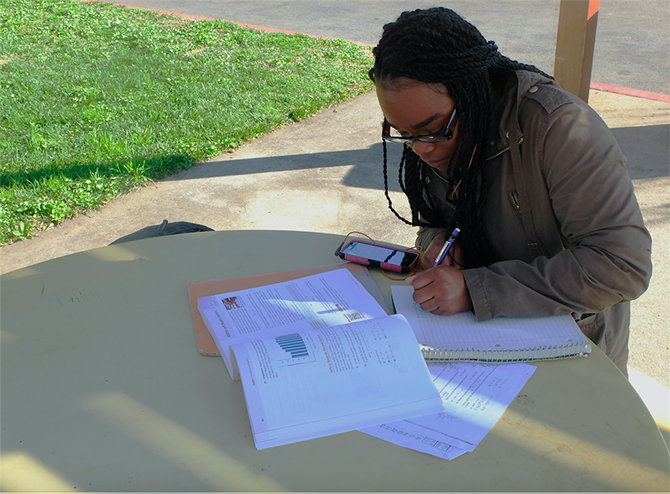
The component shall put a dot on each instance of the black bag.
(163, 229)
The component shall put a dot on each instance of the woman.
(529, 173)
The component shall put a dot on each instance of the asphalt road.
(632, 41)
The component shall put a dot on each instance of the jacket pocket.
(588, 324)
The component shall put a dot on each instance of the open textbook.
(318, 356)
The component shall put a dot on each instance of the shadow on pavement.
(366, 171)
(646, 149)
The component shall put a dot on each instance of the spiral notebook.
(508, 339)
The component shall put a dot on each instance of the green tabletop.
(103, 389)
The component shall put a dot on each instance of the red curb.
(626, 91)
(187, 16)
(638, 93)
(250, 26)
(273, 30)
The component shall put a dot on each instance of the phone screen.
(381, 254)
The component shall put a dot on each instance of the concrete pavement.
(324, 174)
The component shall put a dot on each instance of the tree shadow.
(155, 167)
(646, 149)
(366, 171)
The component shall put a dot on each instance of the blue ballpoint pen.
(445, 248)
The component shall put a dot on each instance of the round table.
(103, 389)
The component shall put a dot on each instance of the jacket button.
(532, 89)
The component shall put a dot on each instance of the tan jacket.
(562, 213)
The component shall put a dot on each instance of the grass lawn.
(96, 99)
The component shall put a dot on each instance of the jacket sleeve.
(425, 236)
(608, 258)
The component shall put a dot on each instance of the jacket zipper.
(503, 150)
(515, 201)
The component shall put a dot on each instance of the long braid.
(439, 46)
(386, 185)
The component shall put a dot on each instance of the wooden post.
(577, 21)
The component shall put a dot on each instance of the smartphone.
(370, 254)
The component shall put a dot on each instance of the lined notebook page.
(461, 337)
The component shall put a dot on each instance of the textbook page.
(317, 301)
(474, 397)
(324, 381)
(504, 339)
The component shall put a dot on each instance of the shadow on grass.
(150, 167)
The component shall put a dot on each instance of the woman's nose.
(422, 148)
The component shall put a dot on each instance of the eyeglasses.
(390, 134)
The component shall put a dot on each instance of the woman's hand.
(441, 290)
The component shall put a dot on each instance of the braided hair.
(438, 46)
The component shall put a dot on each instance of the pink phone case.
(371, 262)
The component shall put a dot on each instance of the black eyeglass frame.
(447, 133)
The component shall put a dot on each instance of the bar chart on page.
(293, 344)
(293, 350)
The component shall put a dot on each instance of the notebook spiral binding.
(506, 356)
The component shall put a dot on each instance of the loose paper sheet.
(474, 398)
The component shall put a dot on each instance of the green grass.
(96, 99)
